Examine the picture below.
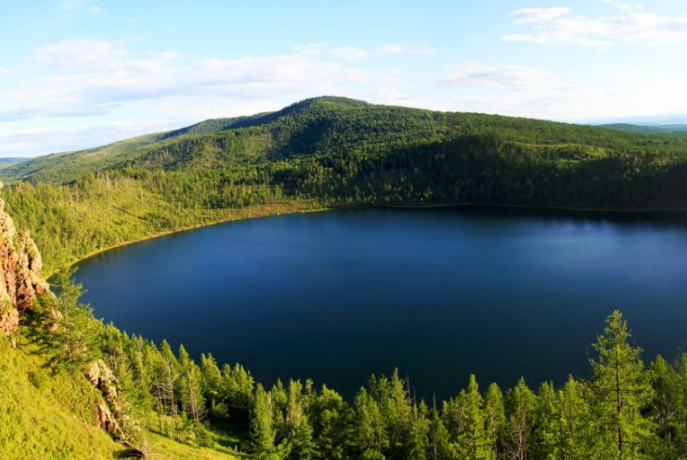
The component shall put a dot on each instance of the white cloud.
(130, 21)
(71, 4)
(352, 53)
(97, 10)
(646, 28)
(80, 54)
(476, 74)
(93, 77)
(539, 14)
(4, 70)
(624, 6)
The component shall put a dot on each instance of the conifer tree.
(263, 433)
(665, 403)
(418, 434)
(298, 430)
(439, 438)
(495, 417)
(370, 435)
(521, 416)
(575, 421)
(331, 424)
(190, 385)
(474, 441)
(621, 391)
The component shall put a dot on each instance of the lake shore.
(311, 207)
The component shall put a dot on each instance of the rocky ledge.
(20, 273)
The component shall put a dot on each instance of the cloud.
(624, 6)
(352, 53)
(80, 77)
(97, 10)
(474, 74)
(71, 4)
(538, 14)
(645, 28)
(80, 54)
(4, 70)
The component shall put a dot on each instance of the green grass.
(50, 416)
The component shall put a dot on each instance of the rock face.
(20, 273)
(109, 412)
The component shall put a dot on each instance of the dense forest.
(330, 152)
(626, 410)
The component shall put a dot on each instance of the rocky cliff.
(20, 273)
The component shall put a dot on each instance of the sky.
(80, 73)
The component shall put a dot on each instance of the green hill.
(327, 152)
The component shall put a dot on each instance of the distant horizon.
(80, 73)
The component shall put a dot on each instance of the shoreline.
(295, 209)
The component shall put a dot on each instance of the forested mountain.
(63, 373)
(329, 152)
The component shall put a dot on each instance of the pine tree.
(191, 395)
(575, 421)
(521, 416)
(330, 417)
(474, 441)
(370, 435)
(418, 433)
(440, 439)
(298, 430)
(166, 375)
(621, 391)
(665, 382)
(212, 386)
(495, 417)
(263, 433)
(548, 439)
(75, 332)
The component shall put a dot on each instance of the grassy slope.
(46, 416)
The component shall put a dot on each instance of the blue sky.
(80, 73)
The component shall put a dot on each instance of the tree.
(370, 434)
(665, 403)
(575, 421)
(495, 416)
(440, 438)
(418, 433)
(621, 392)
(212, 386)
(190, 386)
(330, 421)
(521, 414)
(474, 441)
(298, 430)
(74, 332)
(263, 433)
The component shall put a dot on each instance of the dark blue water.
(440, 294)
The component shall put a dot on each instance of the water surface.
(440, 294)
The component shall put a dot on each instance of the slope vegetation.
(329, 152)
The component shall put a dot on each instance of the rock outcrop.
(20, 273)
(109, 411)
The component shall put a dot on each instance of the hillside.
(328, 152)
(74, 388)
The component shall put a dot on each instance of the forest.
(626, 410)
(329, 152)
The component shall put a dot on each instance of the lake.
(439, 294)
